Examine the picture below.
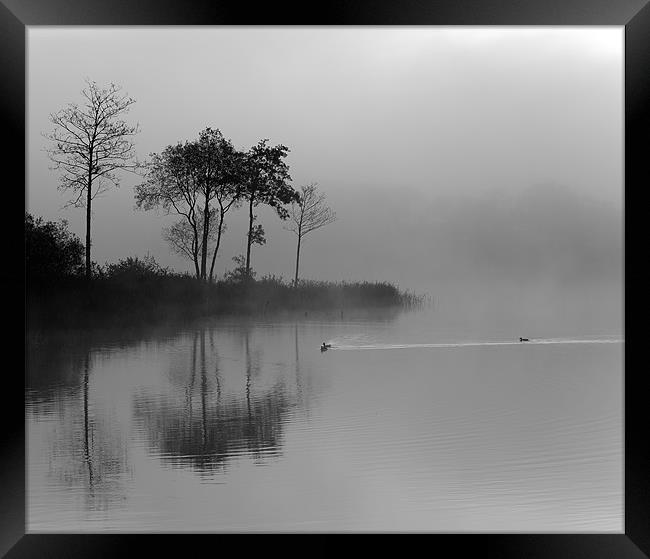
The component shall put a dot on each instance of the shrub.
(133, 268)
(239, 274)
(51, 251)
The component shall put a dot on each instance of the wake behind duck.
(517, 341)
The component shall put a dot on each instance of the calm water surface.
(406, 424)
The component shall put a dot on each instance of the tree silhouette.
(265, 180)
(186, 179)
(308, 214)
(51, 251)
(215, 161)
(227, 194)
(91, 143)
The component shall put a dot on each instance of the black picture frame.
(16, 15)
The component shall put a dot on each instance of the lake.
(410, 422)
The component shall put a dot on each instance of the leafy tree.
(265, 180)
(227, 195)
(216, 162)
(90, 143)
(51, 251)
(308, 214)
(187, 179)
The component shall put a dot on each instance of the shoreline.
(78, 304)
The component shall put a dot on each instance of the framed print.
(363, 270)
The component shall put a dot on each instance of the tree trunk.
(250, 234)
(88, 203)
(295, 281)
(195, 250)
(197, 270)
(204, 246)
(216, 248)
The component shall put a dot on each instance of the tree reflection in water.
(248, 422)
(93, 399)
(84, 449)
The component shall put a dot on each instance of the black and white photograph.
(324, 279)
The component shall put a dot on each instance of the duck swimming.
(524, 340)
(325, 346)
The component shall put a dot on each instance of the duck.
(325, 346)
(524, 340)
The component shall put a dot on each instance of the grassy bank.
(120, 299)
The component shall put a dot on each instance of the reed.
(138, 293)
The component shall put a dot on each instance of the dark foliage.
(135, 289)
(52, 253)
(132, 270)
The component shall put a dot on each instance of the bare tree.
(180, 237)
(183, 241)
(91, 142)
(308, 214)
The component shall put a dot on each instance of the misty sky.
(488, 161)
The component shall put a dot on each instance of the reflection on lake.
(233, 425)
(200, 428)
